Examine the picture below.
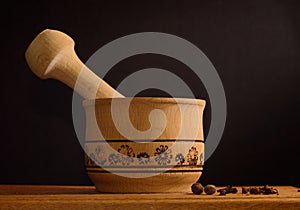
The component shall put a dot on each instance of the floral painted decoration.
(164, 155)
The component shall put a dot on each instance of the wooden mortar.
(51, 55)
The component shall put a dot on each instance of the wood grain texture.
(145, 119)
(86, 197)
(183, 118)
(162, 183)
(51, 55)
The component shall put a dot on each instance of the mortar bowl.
(144, 144)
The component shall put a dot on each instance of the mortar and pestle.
(133, 145)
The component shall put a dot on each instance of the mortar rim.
(161, 100)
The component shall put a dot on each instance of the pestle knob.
(51, 55)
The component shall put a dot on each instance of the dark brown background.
(254, 45)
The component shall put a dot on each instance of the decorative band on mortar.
(135, 155)
(145, 141)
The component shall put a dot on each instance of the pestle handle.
(51, 55)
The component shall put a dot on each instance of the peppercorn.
(222, 192)
(254, 190)
(210, 189)
(228, 189)
(245, 190)
(231, 189)
(197, 188)
(268, 190)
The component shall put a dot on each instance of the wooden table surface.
(85, 197)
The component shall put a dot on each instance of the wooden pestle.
(51, 55)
